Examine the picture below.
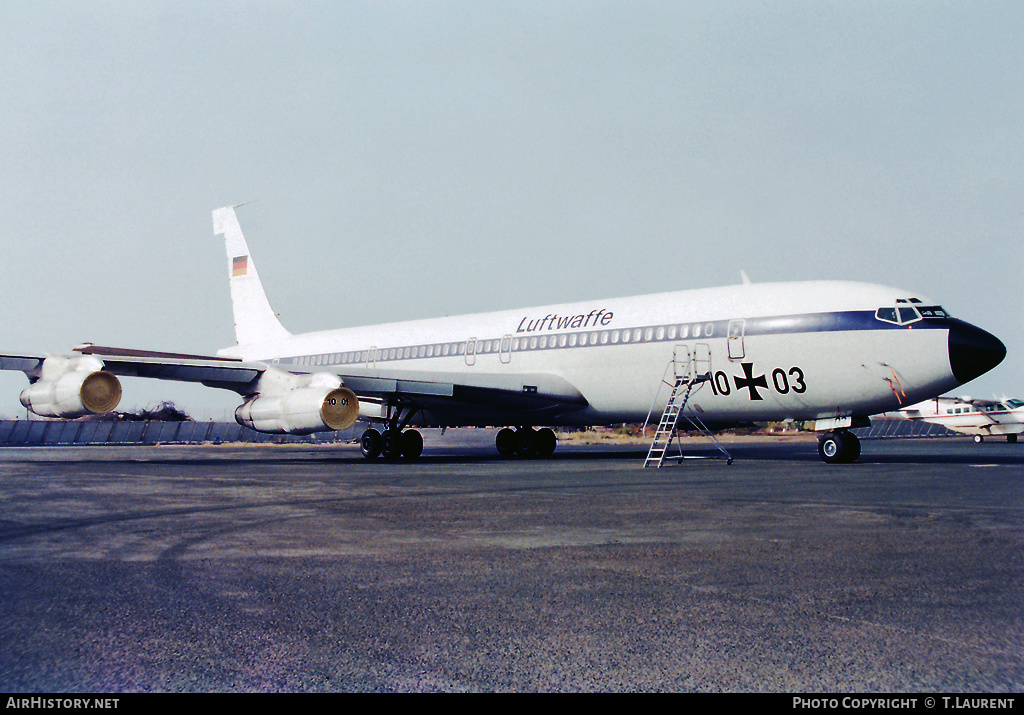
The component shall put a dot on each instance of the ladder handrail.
(670, 417)
(667, 427)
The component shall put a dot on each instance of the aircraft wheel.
(1011, 438)
(506, 442)
(545, 442)
(369, 444)
(526, 442)
(391, 444)
(838, 447)
(412, 444)
(978, 439)
(852, 446)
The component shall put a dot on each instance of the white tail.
(255, 320)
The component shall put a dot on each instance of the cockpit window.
(908, 315)
(904, 314)
(1016, 403)
(887, 315)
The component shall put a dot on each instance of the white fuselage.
(805, 351)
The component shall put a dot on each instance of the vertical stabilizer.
(255, 321)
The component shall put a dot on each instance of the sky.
(417, 159)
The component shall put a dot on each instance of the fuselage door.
(737, 328)
(701, 359)
(471, 351)
(506, 349)
(682, 365)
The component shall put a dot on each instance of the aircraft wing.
(212, 371)
(530, 393)
(978, 403)
(431, 390)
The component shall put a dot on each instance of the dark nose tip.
(972, 351)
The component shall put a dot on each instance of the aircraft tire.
(506, 442)
(391, 444)
(412, 444)
(838, 447)
(852, 446)
(978, 439)
(1011, 438)
(545, 442)
(526, 442)
(369, 444)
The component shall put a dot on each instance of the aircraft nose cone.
(972, 351)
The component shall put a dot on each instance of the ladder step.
(678, 397)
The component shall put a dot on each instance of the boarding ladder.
(684, 375)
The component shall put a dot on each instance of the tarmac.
(304, 568)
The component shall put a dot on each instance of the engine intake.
(299, 404)
(71, 388)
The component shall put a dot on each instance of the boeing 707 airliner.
(827, 352)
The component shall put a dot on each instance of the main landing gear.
(395, 442)
(391, 444)
(1011, 438)
(526, 442)
(838, 447)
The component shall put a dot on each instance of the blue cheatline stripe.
(612, 337)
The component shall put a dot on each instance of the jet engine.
(72, 387)
(298, 404)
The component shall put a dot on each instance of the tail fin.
(255, 321)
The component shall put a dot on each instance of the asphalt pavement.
(298, 568)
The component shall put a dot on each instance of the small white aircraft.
(829, 352)
(981, 418)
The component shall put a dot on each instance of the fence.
(50, 433)
(903, 429)
(43, 433)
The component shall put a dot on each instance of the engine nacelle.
(72, 387)
(312, 403)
